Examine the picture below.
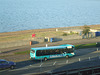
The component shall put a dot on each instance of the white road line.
(41, 64)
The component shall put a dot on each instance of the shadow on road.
(9, 51)
(26, 63)
(78, 66)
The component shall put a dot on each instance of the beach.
(20, 35)
(23, 38)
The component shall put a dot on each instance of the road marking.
(96, 51)
(41, 64)
(18, 69)
(54, 63)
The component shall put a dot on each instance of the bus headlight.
(72, 53)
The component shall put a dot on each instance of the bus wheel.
(67, 56)
(45, 59)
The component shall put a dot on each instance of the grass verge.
(90, 45)
(22, 52)
(80, 46)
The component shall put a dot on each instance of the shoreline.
(38, 30)
(50, 32)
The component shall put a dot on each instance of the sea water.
(17, 15)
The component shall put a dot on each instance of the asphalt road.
(83, 58)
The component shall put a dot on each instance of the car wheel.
(45, 59)
(12, 67)
(67, 56)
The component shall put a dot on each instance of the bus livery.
(51, 52)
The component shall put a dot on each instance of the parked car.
(7, 64)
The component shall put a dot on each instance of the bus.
(44, 53)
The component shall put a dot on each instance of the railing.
(81, 71)
(86, 70)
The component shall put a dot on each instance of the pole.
(66, 61)
(89, 58)
(79, 59)
(97, 49)
(46, 45)
(54, 63)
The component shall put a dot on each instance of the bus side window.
(58, 51)
(55, 51)
(46, 52)
(52, 52)
(38, 53)
(61, 51)
(42, 52)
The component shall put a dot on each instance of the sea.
(19, 15)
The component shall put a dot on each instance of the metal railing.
(86, 70)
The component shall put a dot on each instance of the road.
(83, 58)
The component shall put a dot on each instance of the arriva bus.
(45, 53)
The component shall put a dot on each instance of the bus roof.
(66, 45)
(51, 47)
